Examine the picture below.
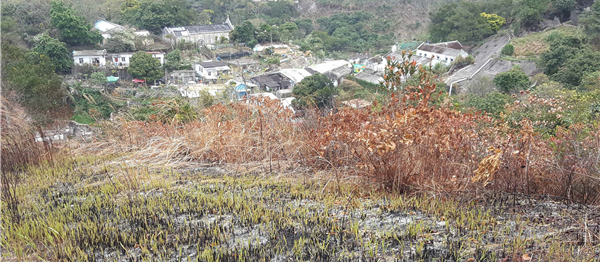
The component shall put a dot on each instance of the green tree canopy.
(73, 28)
(590, 20)
(512, 80)
(143, 66)
(459, 21)
(315, 90)
(508, 50)
(154, 16)
(529, 12)
(174, 61)
(244, 33)
(562, 48)
(55, 50)
(39, 89)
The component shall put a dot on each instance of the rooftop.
(200, 29)
(89, 53)
(453, 48)
(296, 74)
(105, 26)
(329, 66)
(212, 64)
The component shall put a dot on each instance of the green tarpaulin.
(112, 79)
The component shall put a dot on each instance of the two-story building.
(205, 35)
(211, 70)
(92, 57)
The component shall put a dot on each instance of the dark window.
(81, 60)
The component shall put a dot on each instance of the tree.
(512, 80)
(143, 66)
(529, 12)
(121, 41)
(55, 50)
(244, 33)
(154, 16)
(562, 48)
(584, 62)
(98, 78)
(38, 88)
(590, 20)
(174, 61)
(74, 30)
(564, 7)
(461, 22)
(316, 90)
(494, 20)
(508, 50)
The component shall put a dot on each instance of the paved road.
(482, 54)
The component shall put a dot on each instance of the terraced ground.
(93, 209)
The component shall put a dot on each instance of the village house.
(211, 70)
(183, 77)
(335, 70)
(92, 57)
(205, 35)
(272, 81)
(445, 52)
(122, 60)
(102, 58)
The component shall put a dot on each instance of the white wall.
(88, 60)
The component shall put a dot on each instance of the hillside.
(408, 19)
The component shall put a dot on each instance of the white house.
(210, 70)
(102, 58)
(92, 57)
(445, 52)
(202, 34)
(122, 60)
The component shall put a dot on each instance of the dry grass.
(408, 145)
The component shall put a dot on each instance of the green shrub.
(508, 50)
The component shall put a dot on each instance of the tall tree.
(73, 28)
(37, 87)
(316, 90)
(55, 50)
(244, 33)
(144, 66)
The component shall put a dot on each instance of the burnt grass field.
(90, 210)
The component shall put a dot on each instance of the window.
(208, 73)
(446, 59)
(438, 57)
(116, 59)
(451, 60)
(122, 59)
(81, 60)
